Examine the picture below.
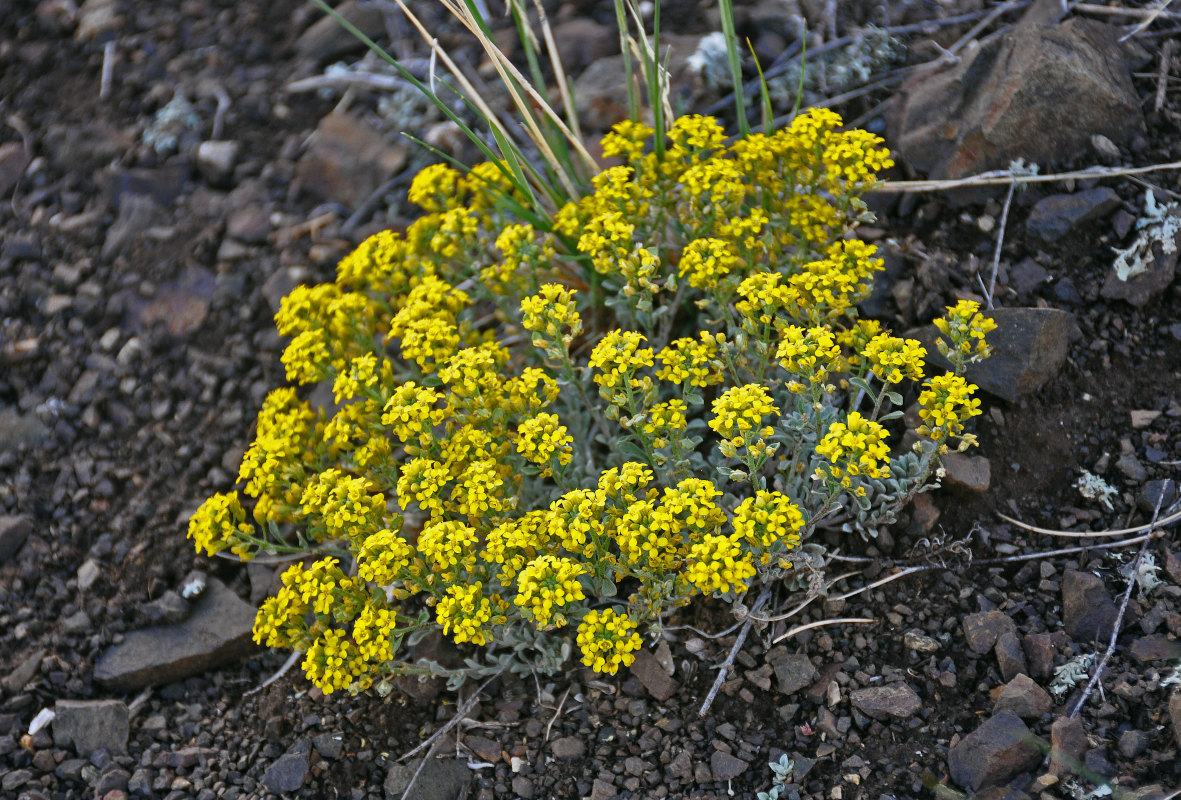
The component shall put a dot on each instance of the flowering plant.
(554, 434)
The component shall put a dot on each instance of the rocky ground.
(162, 189)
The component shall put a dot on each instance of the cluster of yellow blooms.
(468, 484)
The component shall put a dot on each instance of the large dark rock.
(1029, 346)
(1039, 91)
(440, 779)
(1088, 612)
(89, 725)
(14, 530)
(994, 753)
(1057, 215)
(217, 632)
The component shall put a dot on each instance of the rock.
(602, 790)
(1009, 656)
(1068, 744)
(1159, 491)
(581, 41)
(137, 213)
(1026, 276)
(1144, 417)
(87, 574)
(1005, 100)
(896, 700)
(600, 94)
(1029, 347)
(14, 531)
(1175, 715)
(167, 609)
(289, 771)
(15, 779)
(1053, 217)
(97, 17)
(217, 632)
(568, 747)
(726, 767)
(1133, 742)
(993, 754)
(793, 671)
(1155, 250)
(440, 779)
(76, 623)
(1155, 648)
(920, 642)
(488, 750)
(923, 515)
(1088, 613)
(250, 224)
(327, 39)
(1023, 697)
(18, 431)
(89, 725)
(216, 160)
(346, 161)
(970, 473)
(16, 680)
(647, 670)
(984, 628)
(1131, 467)
(13, 162)
(179, 306)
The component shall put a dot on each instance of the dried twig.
(1000, 243)
(1119, 617)
(463, 711)
(1149, 18)
(820, 623)
(1162, 78)
(287, 665)
(724, 667)
(1124, 11)
(1090, 534)
(1006, 177)
(557, 713)
(104, 85)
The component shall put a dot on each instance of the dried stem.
(1119, 618)
(724, 667)
(1006, 177)
(463, 711)
(1091, 534)
(821, 623)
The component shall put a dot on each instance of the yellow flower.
(854, 447)
(546, 586)
(626, 140)
(965, 327)
(617, 356)
(434, 187)
(740, 409)
(692, 361)
(332, 662)
(465, 610)
(768, 519)
(447, 547)
(810, 354)
(717, 564)
(218, 524)
(552, 312)
(945, 405)
(541, 439)
(892, 358)
(704, 262)
(607, 640)
(383, 557)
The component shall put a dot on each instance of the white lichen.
(1161, 225)
(1071, 673)
(1093, 487)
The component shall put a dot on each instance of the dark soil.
(130, 373)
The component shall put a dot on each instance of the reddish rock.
(1024, 698)
(896, 700)
(1068, 743)
(1005, 100)
(648, 671)
(993, 754)
(1088, 612)
(984, 628)
(347, 160)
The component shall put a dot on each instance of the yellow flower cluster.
(965, 327)
(894, 359)
(945, 405)
(854, 447)
(608, 640)
(740, 410)
(693, 265)
(220, 523)
(541, 439)
(546, 586)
